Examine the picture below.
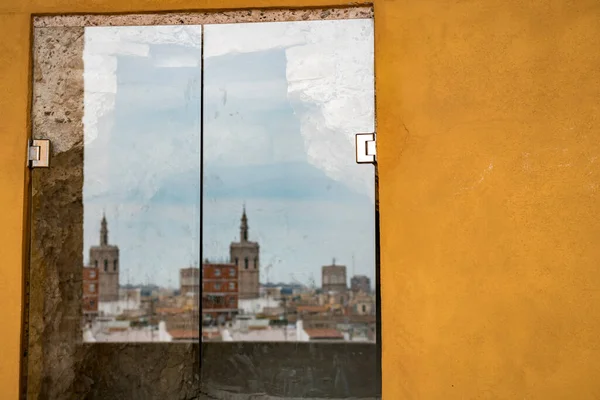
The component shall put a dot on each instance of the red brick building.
(219, 291)
(90, 294)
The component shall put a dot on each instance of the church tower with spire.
(105, 258)
(245, 255)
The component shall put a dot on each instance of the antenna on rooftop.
(267, 269)
(311, 282)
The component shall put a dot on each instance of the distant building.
(362, 304)
(219, 291)
(360, 283)
(182, 325)
(333, 278)
(105, 259)
(90, 294)
(189, 281)
(129, 304)
(245, 255)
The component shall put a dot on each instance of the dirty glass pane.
(288, 217)
(141, 190)
(289, 246)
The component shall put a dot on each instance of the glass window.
(275, 107)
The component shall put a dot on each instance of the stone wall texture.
(57, 215)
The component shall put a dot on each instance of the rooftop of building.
(215, 263)
(247, 243)
(184, 334)
(310, 308)
(131, 335)
(172, 310)
(264, 335)
(324, 334)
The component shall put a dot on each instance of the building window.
(232, 301)
(92, 303)
(115, 264)
(105, 265)
(236, 261)
(217, 272)
(364, 308)
(93, 273)
(92, 288)
(217, 286)
(246, 263)
(232, 285)
(96, 263)
(231, 271)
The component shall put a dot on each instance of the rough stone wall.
(210, 17)
(55, 279)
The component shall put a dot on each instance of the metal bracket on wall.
(38, 153)
(366, 151)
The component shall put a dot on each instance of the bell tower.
(245, 255)
(105, 257)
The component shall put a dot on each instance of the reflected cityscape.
(235, 305)
(274, 134)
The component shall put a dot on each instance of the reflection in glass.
(142, 89)
(286, 205)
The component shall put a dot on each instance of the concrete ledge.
(237, 371)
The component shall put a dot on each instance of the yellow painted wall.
(489, 154)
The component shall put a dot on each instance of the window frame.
(208, 346)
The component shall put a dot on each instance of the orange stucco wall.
(488, 145)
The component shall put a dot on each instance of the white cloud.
(330, 75)
(102, 45)
(329, 70)
(256, 91)
(177, 61)
(225, 39)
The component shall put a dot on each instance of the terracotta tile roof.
(170, 310)
(311, 308)
(324, 334)
(184, 334)
(211, 335)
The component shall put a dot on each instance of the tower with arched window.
(245, 254)
(105, 257)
